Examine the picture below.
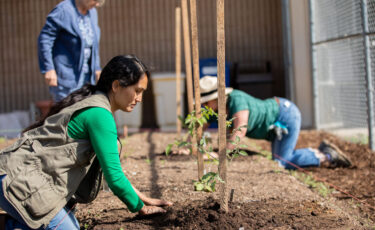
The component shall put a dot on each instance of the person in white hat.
(277, 120)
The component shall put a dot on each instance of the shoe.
(336, 157)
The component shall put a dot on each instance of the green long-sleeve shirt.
(98, 125)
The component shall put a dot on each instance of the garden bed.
(265, 196)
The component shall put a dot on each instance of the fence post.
(315, 95)
(288, 56)
(370, 99)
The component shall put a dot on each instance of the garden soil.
(265, 196)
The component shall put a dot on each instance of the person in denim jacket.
(68, 47)
(277, 120)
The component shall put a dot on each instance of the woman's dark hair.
(127, 69)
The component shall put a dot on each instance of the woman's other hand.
(51, 77)
(149, 210)
(157, 202)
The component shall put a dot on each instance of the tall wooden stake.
(222, 104)
(197, 91)
(178, 70)
(189, 83)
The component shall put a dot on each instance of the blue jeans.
(64, 220)
(283, 150)
(59, 92)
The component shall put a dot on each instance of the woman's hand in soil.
(149, 210)
(157, 202)
(151, 201)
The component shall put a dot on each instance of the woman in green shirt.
(277, 120)
(62, 157)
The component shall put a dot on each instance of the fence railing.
(343, 59)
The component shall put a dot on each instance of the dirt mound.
(205, 214)
(252, 215)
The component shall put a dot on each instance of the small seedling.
(236, 151)
(207, 182)
(124, 152)
(148, 161)
(192, 122)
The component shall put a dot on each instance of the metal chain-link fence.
(343, 63)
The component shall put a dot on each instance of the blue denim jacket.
(60, 45)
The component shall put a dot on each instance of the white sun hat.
(208, 86)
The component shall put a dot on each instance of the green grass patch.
(358, 139)
(317, 186)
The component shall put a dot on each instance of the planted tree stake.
(189, 80)
(197, 91)
(222, 104)
(231, 195)
(178, 69)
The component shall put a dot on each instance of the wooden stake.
(222, 104)
(197, 91)
(178, 69)
(189, 80)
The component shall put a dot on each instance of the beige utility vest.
(45, 166)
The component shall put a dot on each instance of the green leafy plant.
(207, 182)
(237, 150)
(192, 122)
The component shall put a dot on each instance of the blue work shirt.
(61, 46)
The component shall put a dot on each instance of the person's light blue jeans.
(283, 150)
(59, 92)
(63, 220)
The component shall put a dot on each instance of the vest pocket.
(42, 202)
(35, 193)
